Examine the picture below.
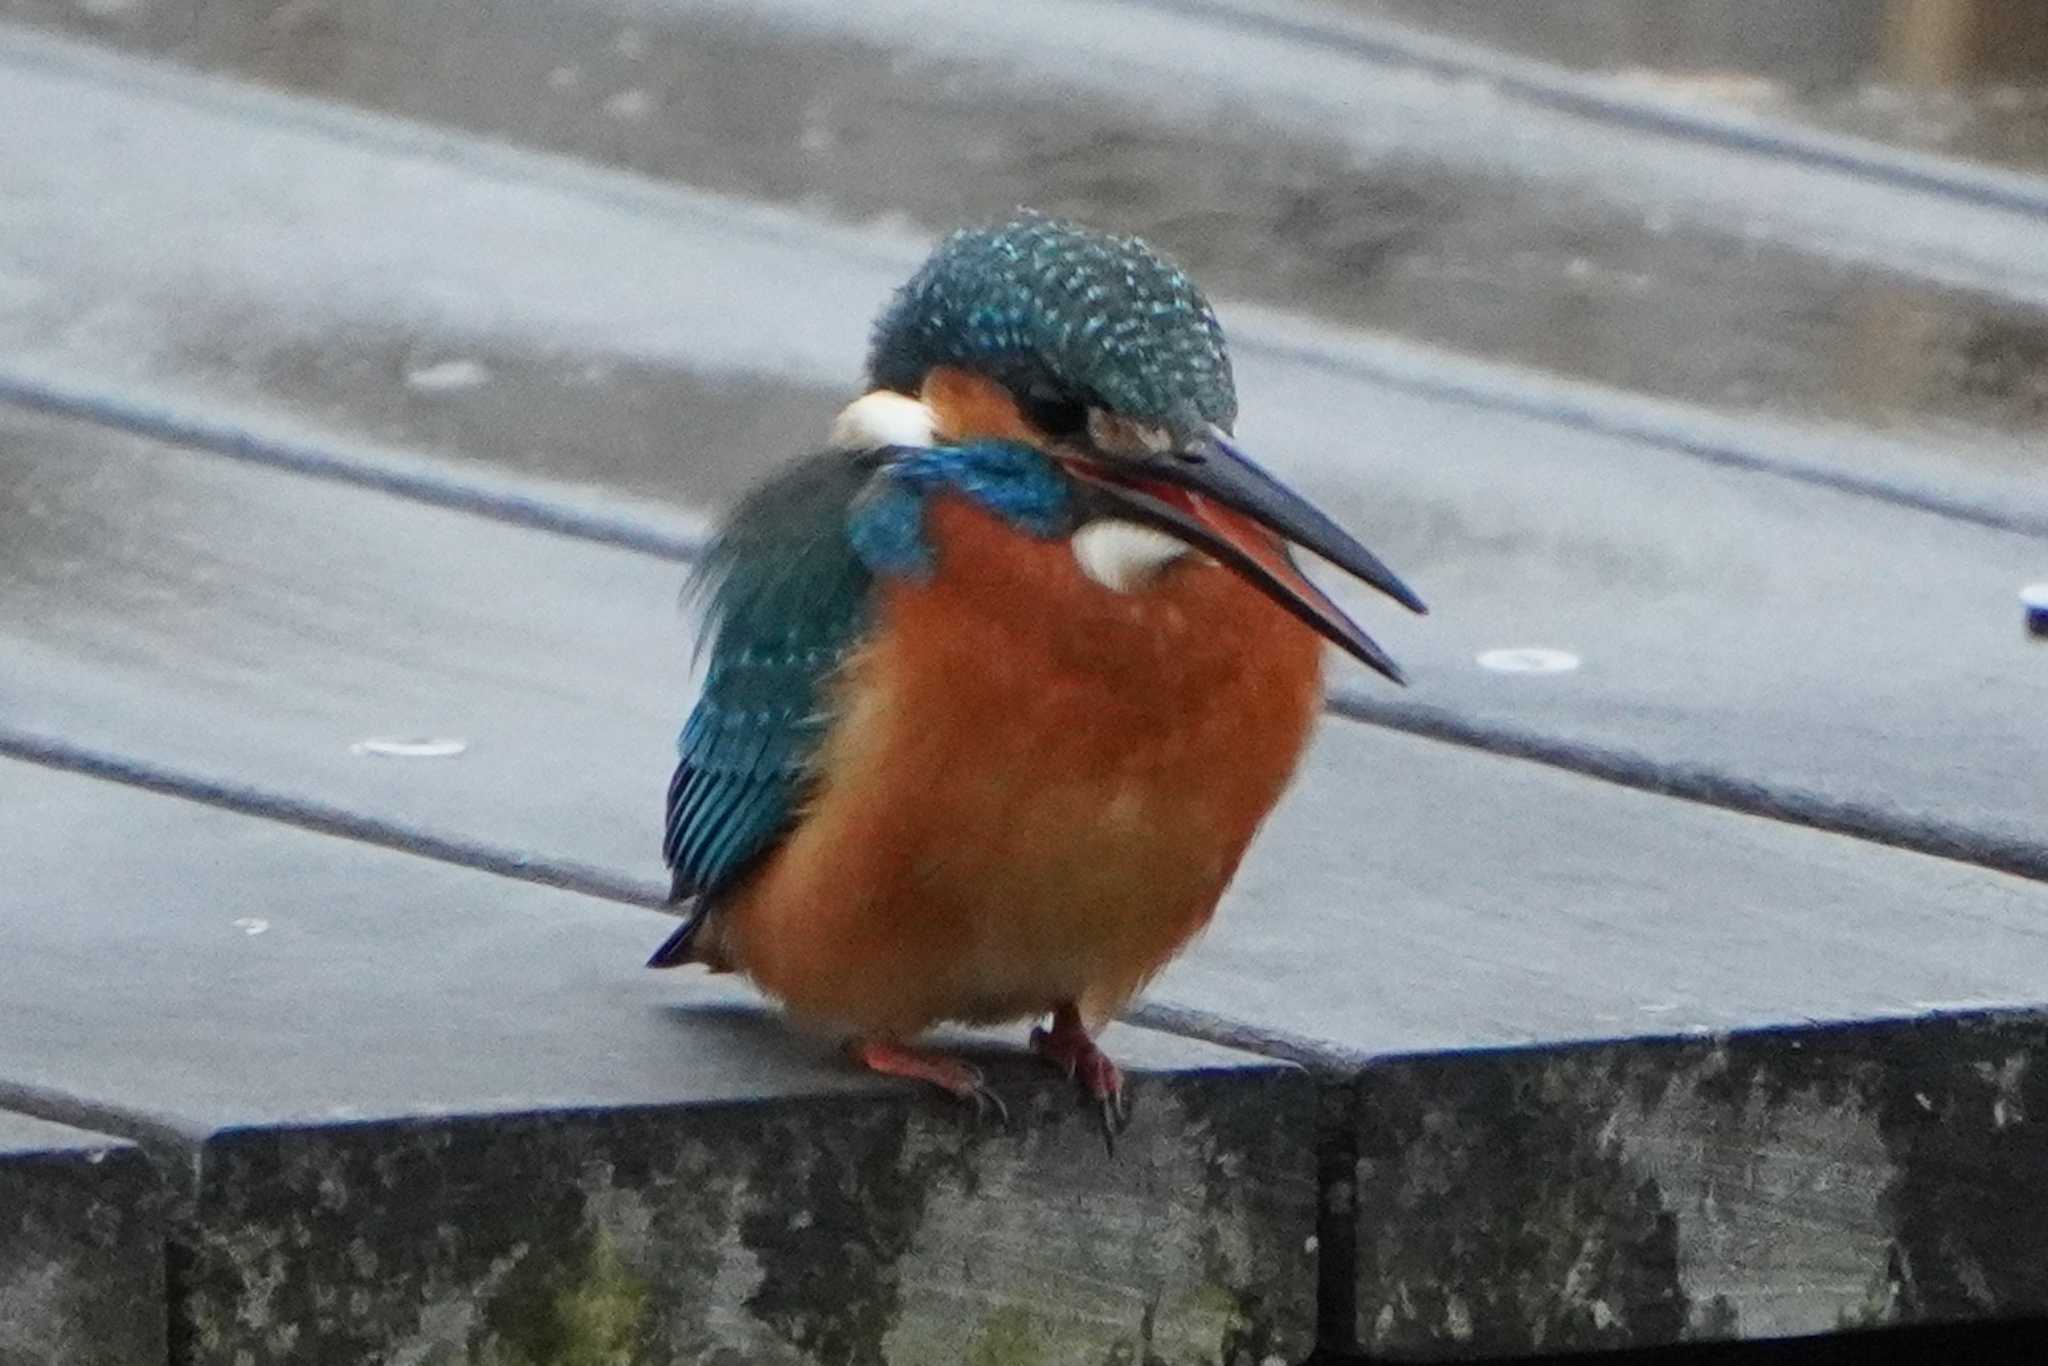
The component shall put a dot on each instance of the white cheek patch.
(1123, 556)
(882, 418)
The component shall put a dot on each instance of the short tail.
(679, 948)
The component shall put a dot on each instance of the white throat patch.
(882, 418)
(1123, 556)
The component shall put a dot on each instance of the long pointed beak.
(1218, 471)
(1216, 468)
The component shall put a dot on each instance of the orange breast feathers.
(1037, 791)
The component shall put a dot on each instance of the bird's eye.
(1055, 414)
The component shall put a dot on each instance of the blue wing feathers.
(758, 812)
(787, 598)
(788, 584)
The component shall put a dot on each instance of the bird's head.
(1104, 355)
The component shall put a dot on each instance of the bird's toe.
(951, 1075)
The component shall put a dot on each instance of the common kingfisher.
(1003, 681)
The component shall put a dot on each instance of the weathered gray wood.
(1765, 1185)
(251, 626)
(1300, 169)
(1409, 899)
(256, 626)
(1772, 643)
(360, 286)
(1835, 657)
(1412, 902)
(1414, 897)
(417, 1113)
(81, 1248)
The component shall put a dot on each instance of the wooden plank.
(256, 627)
(1409, 900)
(1380, 177)
(416, 1113)
(1765, 1185)
(253, 627)
(1834, 658)
(1759, 641)
(81, 1248)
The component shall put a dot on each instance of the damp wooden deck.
(1665, 965)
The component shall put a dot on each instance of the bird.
(1003, 678)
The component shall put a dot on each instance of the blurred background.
(1352, 161)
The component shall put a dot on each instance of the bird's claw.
(951, 1075)
(1067, 1046)
(1105, 1085)
(987, 1102)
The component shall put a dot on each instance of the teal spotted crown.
(1053, 310)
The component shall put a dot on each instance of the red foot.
(950, 1075)
(1067, 1046)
